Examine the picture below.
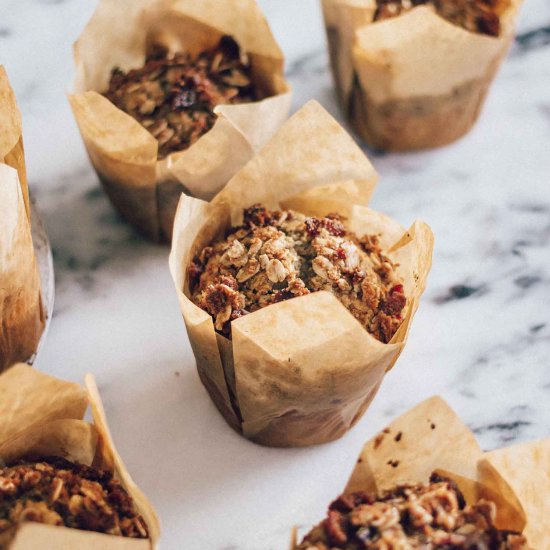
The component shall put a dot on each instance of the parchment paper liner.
(41, 415)
(143, 189)
(433, 438)
(21, 312)
(414, 81)
(303, 371)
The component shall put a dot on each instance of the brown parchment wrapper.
(431, 437)
(22, 318)
(524, 470)
(146, 190)
(414, 81)
(303, 371)
(43, 416)
(12, 151)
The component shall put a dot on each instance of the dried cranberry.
(341, 253)
(313, 226)
(334, 227)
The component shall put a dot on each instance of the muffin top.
(428, 516)
(173, 96)
(278, 255)
(479, 16)
(58, 492)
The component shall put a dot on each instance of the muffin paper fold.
(431, 438)
(43, 416)
(413, 81)
(144, 189)
(22, 317)
(303, 371)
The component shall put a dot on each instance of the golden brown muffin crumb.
(480, 16)
(58, 492)
(411, 516)
(174, 97)
(278, 255)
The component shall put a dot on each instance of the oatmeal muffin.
(480, 16)
(432, 515)
(173, 96)
(414, 74)
(55, 491)
(279, 255)
(149, 126)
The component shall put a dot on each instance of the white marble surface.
(486, 197)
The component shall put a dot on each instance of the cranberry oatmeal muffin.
(55, 491)
(174, 96)
(278, 255)
(428, 516)
(479, 16)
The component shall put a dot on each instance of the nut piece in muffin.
(174, 96)
(55, 491)
(278, 255)
(480, 16)
(410, 516)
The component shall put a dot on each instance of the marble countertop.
(481, 338)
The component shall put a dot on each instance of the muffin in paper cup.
(304, 370)
(43, 435)
(22, 316)
(142, 176)
(509, 486)
(413, 76)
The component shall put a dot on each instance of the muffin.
(174, 96)
(22, 316)
(177, 98)
(278, 255)
(424, 482)
(61, 478)
(55, 491)
(415, 515)
(297, 298)
(404, 71)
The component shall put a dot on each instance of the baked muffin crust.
(279, 255)
(480, 16)
(174, 97)
(412, 516)
(58, 492)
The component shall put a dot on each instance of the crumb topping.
(479, 16)
(278, 255)
(412, 516)
(58, 492)
(174, 97)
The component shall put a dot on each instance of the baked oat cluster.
(427, 517)
(174, 97)
(58, 492)
(278, 255)
(478, 16)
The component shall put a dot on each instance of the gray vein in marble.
(533, 39)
